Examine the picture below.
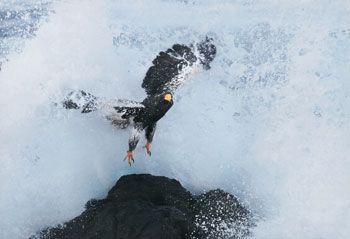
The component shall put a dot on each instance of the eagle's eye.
(167, 97)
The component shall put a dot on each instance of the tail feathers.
(80, 100)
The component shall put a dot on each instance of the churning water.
(270, 122)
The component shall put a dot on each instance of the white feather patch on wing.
(185, 74)
(80, 98)
(107, 108)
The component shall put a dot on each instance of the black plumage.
(169, 70)
(161, 77)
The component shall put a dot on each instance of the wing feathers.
(171, 67)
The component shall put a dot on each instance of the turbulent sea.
(269, 123)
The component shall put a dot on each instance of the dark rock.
(146, 206)
(219, 215)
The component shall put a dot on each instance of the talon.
(147, 148)
(130, 157)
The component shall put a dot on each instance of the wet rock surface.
(146, 206)
(219, 215)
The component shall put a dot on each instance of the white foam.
(269, 122)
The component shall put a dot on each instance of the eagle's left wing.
(172, 67)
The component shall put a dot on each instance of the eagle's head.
(165, 101)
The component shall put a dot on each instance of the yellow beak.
(167, 97)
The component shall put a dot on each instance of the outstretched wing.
(120, 109)
(80, 100)
(119, 112)
(172, 67)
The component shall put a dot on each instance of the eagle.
(169, 70)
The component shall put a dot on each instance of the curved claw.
(147, 148)
(130, 157)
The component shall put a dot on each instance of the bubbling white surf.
(269, 122)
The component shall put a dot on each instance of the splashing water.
(269, 122)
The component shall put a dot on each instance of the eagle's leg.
(130, 157)
(147, 148)
(133, 141)
(150, 130)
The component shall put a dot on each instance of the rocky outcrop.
(219, 215)
(146, 206)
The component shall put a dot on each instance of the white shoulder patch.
(123, 103)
